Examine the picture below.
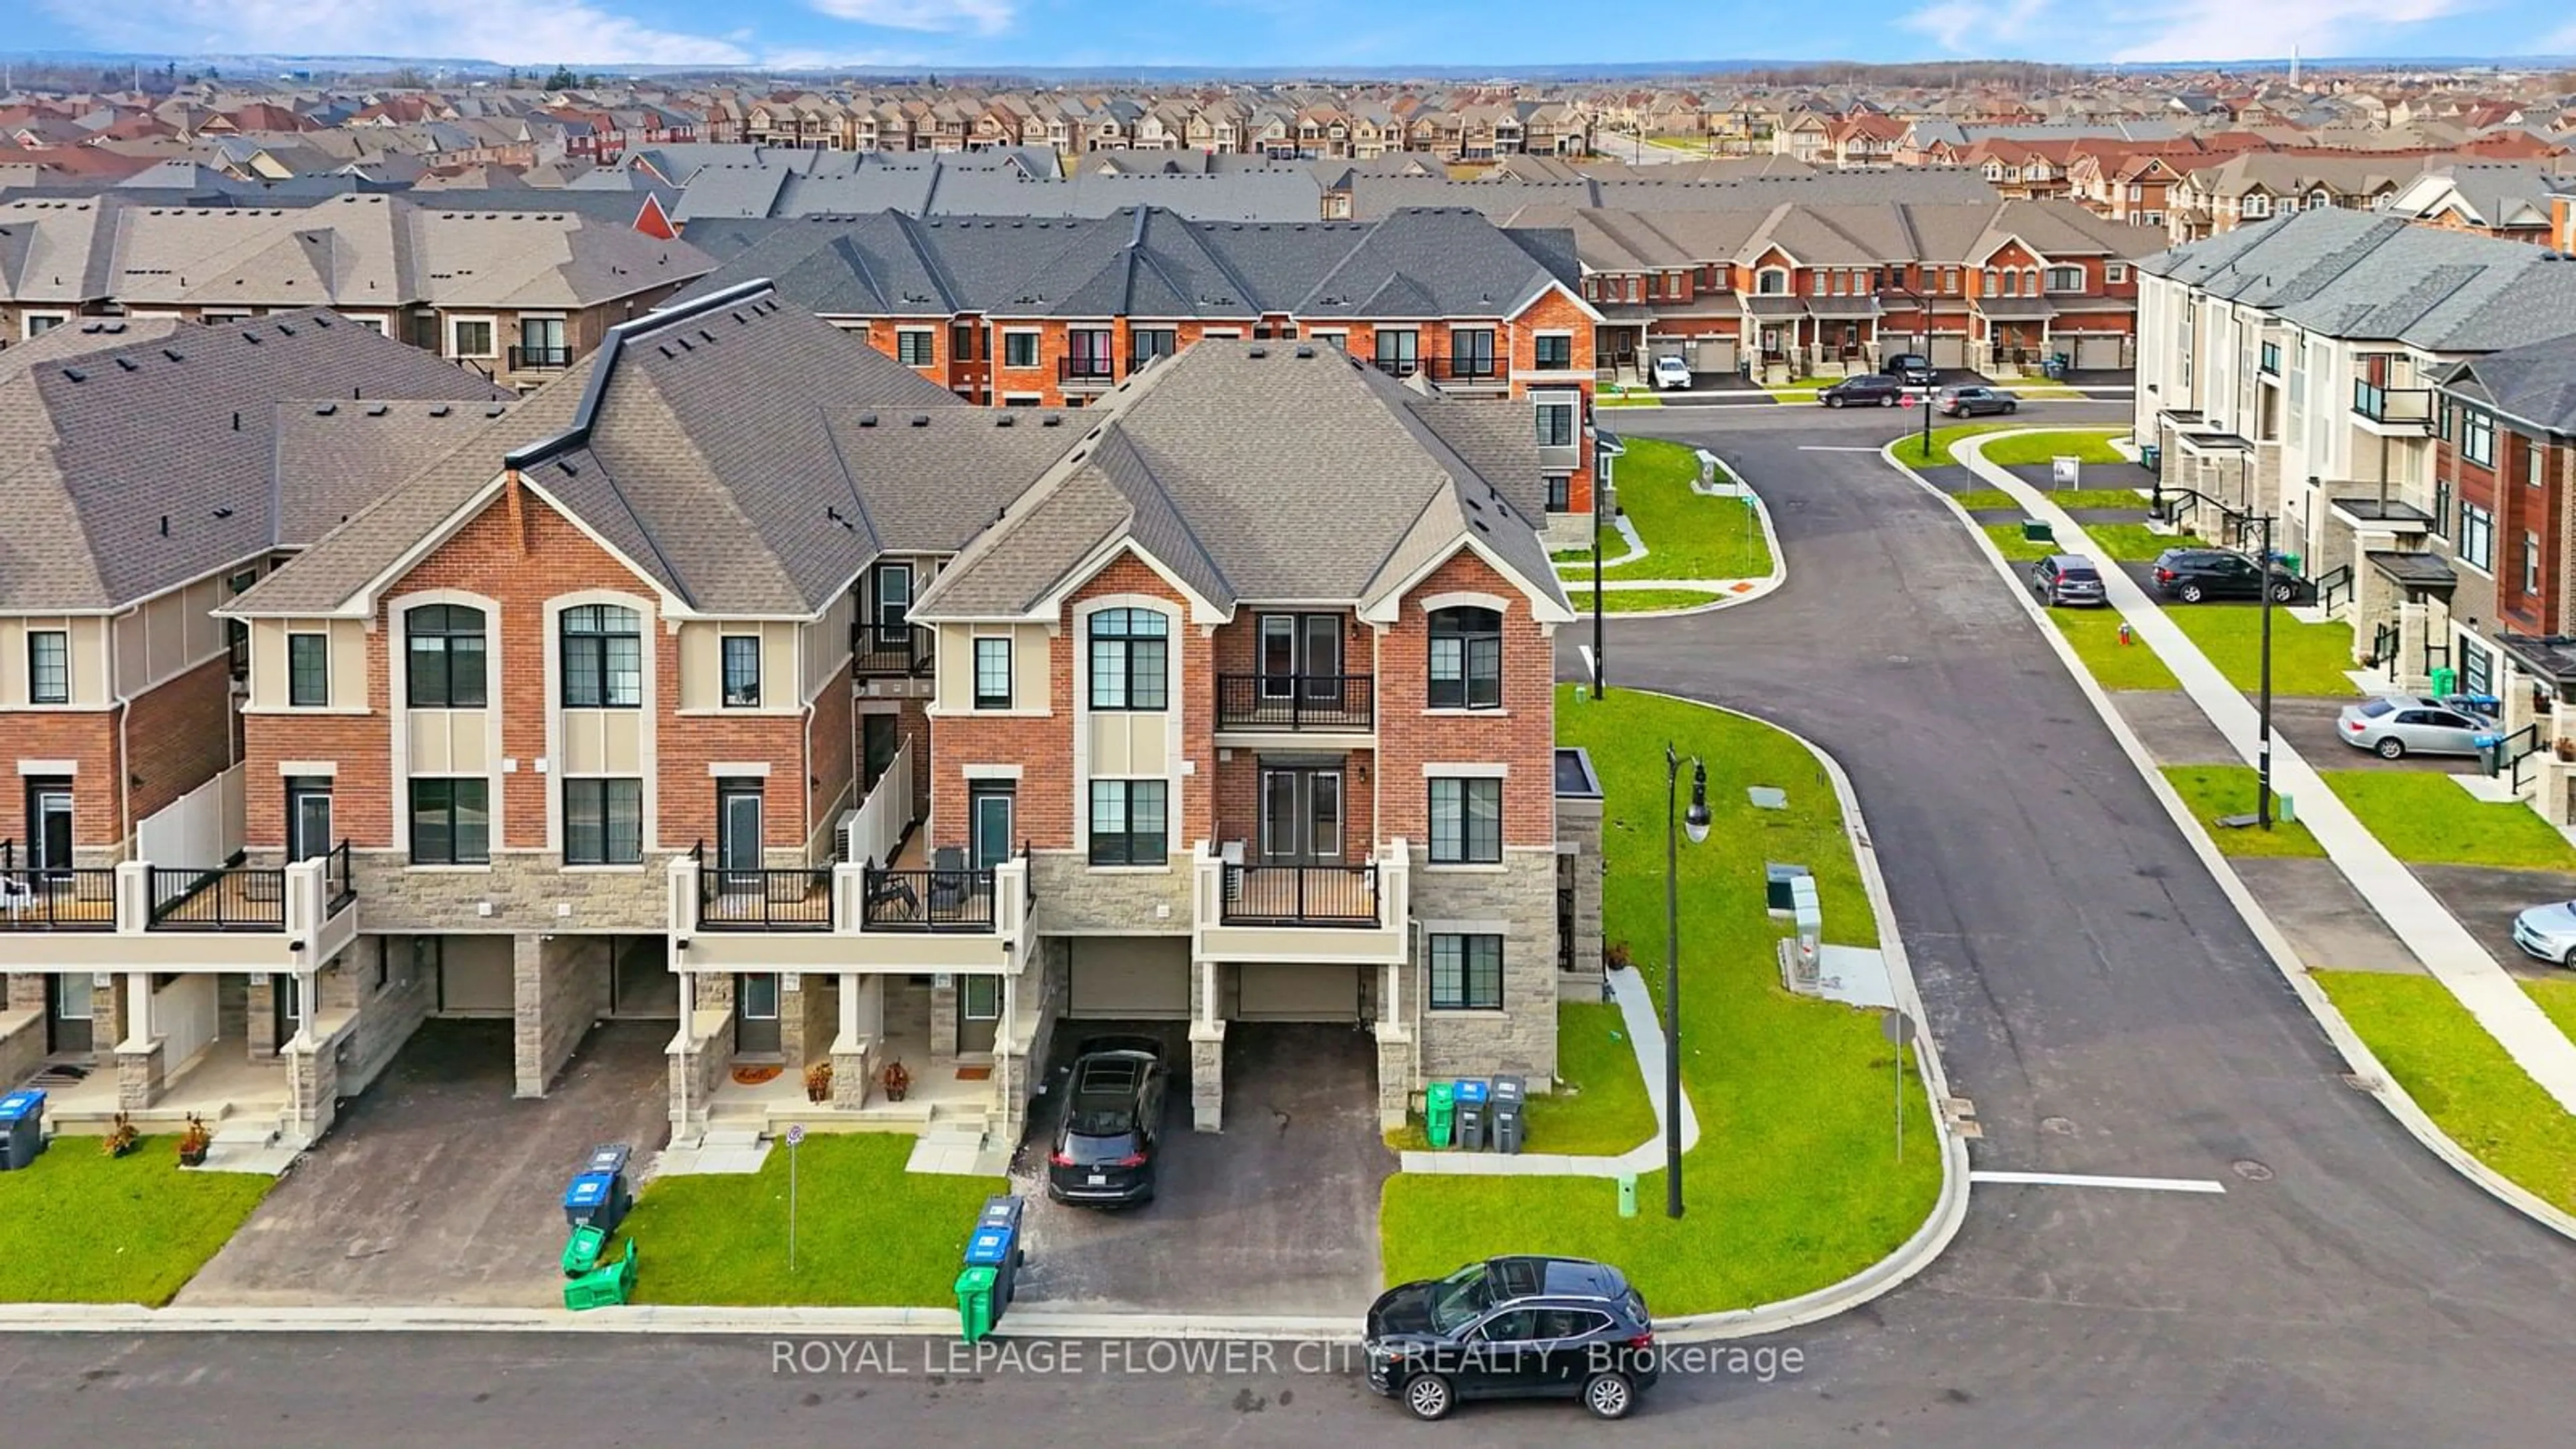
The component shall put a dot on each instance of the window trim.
(62, 638)
(491, 325)
(2477, 538)
(1128, 644)
(1133, 847)
(605, 673)
(294, 698)
(975, 671)
(903, 339)
(1468, 788)
(2477, 437)
(1037, 349)
(1538, 351)
(445, 637)
(727, 695)
(1450, 623)
(1473, 960)
(455, 855)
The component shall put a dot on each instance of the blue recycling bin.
(1475, 1097)
(995, 1243)
(598, 1200)
(2151, 456)
(22, 1128)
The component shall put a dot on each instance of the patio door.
(1301, 815)
(1301, 653)
(989, 811)
(738, 834)
(979, 1014)
(49, 825)
(68, 1008)
(879, 736)
(894, 606)
(308, 819)
(755, 1017)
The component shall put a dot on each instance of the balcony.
(762, 900)
(1353, 913)
(900, 649)
(49, 899)
(2402, 412)
(540, 359)
(1085, 374)
(1300, 895)
(1469, 374)
(1296, 703)
(138, 916)
(1396, 366)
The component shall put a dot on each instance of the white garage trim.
(1129, 976)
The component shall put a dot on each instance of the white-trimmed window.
(1129, 822)
(1555, 420)
(1466, 820)
(1466, 973)
(603, 822)
(2477, 538)
(2256, 205)
(49, 666)
(1553, 351)
(603, 657)
(1771, 282)
(993, 673)
(470, 337)
(2477, 437)
(37, 324)
(915, 346)
(1466, 663)
(444, 657)
(2116, 274)
(451, 821)
(2066, 279)
(2530, 562)
(1130, 654)
(1020, 350)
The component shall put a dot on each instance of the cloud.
(983, 17)
(1960, 26)
(2235, 30)
(571, 32)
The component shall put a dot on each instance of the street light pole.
(2263, 707)
(1600, 660)
(1696, 823)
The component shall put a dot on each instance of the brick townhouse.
(1056, 312)
(835, 782)
(514, 295)
(1799, 289)
(153, 470)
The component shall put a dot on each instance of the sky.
(995, 34)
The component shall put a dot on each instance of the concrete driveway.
(1276, 1214)
(2486, 899)
(436, 1187)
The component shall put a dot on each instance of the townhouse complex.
(747, 678)
(2397, 396)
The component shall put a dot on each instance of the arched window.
(603, 657)
(1466, 658)
(1129, 659)
(444, 643)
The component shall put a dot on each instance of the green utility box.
(2034, 531)
(2288, 811)
(581, 1255)
(975, 1303)
(607, 1285)
(1627, 1194)
(1439, 1112)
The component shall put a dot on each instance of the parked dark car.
(1911, 368)
(1867, 390)
(1513, 1328)
(2065, 578)
(1113, 1121)
(2194, 574)
(1970, 401)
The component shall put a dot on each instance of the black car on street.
(1863, 390)
(1513, 1328)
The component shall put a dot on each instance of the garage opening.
(640, 985)
(1135, 978)
(474, 974)
(1266, 991)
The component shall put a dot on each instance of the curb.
(2356, 1053)
(1765, 585)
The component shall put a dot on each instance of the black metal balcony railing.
(1295, 701)
(235, 898)
(2392, 405)
(1082, 372)
(1301, 895)
(926, 900)
(897, 649)
(36, 898)
(1396, 366)
(794, 899)
(1470, 371)
(540, 359)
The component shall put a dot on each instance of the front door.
(1301, 815)
(755, 1017)
(308, 820)
(979, 1014)
(990, 810)
(49, 825)
(68, 1007)
(738, 834)
(286, 1009)
(879, 734)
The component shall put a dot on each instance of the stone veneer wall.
(527, 891)
(1520, 900)
(809, 1016)
(1074, 899)
(387, 1014)
(561, 986)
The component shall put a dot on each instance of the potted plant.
(121, 1138)
(818, 1082)
(1616, 958)
(895, 1080)
(194, 1140)
(2567, 749)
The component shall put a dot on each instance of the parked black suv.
(1911, 368)
(1513, 1328)
(2194, 574)
(1866, 390)
(1113, 1120)
(2066, 578)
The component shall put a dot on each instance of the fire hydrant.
(2124, 632)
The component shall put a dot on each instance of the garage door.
(2098, 351)
(1297, 993)
(474, 977)
(1948, 349)
(1146, 977)
(1716, 354)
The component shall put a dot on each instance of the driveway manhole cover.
(2062, 1126)
(2250, 1170)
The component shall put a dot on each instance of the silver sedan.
(2548, 932)
(2401, 725)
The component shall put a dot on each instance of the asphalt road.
(2093, 993)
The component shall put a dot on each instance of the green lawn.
(1976, 498)
(2306, 658)
(1599, 1108)
(2461, 1077)
(1640, 601)
(2425, 819)
(2095, 633)
(2088, 446)
(2214, 790)
(1795, 1183)
(2007, 537)
(2558, 1000)
(2135, 542)
(1909, 449)
(1638, 399)
(88, 1228)
(867, 1232)
(1688, 535)
(2097, 498)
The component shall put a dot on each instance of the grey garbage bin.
(1511, 1113)
(999, 1243)
(608, 1157)
(22, 1128)
(1474, 1102)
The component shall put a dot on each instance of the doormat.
(974, 1074)
(754, 1076)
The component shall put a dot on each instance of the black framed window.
(1555, 351)
(603, 822)
(913, 346)
(1466, 973)
(49, 666)
(444, 649)
(1466, 821)
(603, 657)
(2477, 437)
(1129, 650)
(1019, 349)
(451, 822)
(308, 670)
(1398, 350)
(992, 674)
(1466, 658)
(1128, 822)
(1556, 422)
(1560, 492)
(1147, 343)
(1471, 352)
(741, 671)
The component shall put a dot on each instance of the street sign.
(1898, 1028)
(1905, 400)
(795, 1133)
(795, 1136)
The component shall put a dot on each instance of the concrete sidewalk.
(2446, 948)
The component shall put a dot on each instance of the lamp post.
(1696, 823)
(1600, 660)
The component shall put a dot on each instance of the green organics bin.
(603, 1286)
(581, 1255)
(2446, 681)
(1439, 1112)
(975, 1303)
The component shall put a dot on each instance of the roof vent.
(496, 409)
(326, 410)
(1050, 421)
(1002, 420)
(379, 410)
(570, 470)
(251, 337)
(129, 364)
(223, 513)
(173, 354)
(439, 411)
(285, 331)
(1305, 352)
(867, 420)
(1258, 352)
(75, 374)
(921, 420)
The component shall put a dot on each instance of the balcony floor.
(1271, 893)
